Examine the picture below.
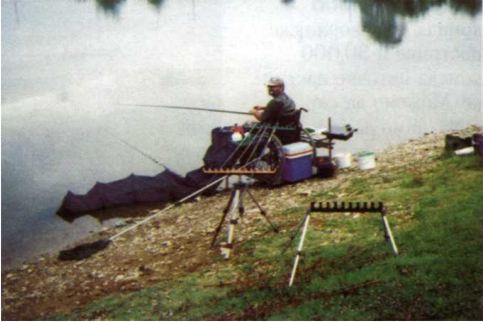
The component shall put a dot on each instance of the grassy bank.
(347, 271)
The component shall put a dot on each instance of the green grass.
(347, 271)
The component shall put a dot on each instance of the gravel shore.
(179, 240)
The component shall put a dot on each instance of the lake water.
(392, 71)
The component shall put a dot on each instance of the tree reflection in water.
(111, 7)
(381, 22)
(156, 3)
(385, 20)
(471, 7)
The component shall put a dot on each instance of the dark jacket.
(278, 108)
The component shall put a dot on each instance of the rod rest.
(240, 171)
(340, 133)
(347, 207)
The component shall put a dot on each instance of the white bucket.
(342, 160)
(366, 160)
(321, 152)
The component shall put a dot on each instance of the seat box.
(298, 161)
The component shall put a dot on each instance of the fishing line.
(256, 139)
(259, 140)
(268, 141)
(137, 149)
(264, 148)
(239, 146)
(245, 148)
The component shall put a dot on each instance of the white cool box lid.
(297, 150)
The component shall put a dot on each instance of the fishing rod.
(86, 250)
(143, 153)
(138, 150)
(188, 197)
(188, 108)
(177, 203)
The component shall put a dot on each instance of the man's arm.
(257, 111)
(272, 112)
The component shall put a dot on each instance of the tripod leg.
(255, 201)
(299, 249)
(241, 208)
(388, 233)
(226, 250)
(299, 227)
(262, 212)
(225, 212)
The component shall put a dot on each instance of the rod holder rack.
(347, 207)
(239, 171)
(339, 207)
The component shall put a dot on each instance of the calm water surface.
(392, 71)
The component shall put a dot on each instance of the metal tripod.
(235, 202)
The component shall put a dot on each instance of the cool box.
(298, 161)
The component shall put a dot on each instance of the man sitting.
(279, 107)
(279, 111)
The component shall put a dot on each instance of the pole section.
(188, 108)
(226, 250)
(299, 249)
(388, 232)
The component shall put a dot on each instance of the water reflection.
(111, 7)
(385, 21)
(382, 13)
(381, 22)
(470, 7)
(156, 3)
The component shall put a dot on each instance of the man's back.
(279, 108)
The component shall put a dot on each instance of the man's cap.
(275, 81)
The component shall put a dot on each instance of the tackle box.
(325, 167)
(298, 161)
